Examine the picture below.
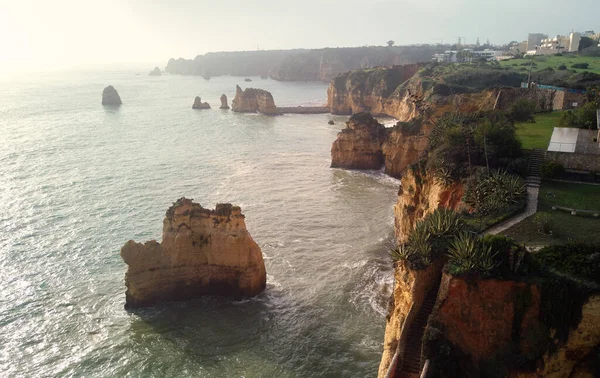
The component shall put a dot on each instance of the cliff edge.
(203, 252)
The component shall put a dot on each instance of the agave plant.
(470, 255)
(400, 253)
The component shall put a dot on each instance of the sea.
(78, 180)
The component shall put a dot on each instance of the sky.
(47, 34)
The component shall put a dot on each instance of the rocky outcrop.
(155, 72)
(358, 146)
(421, 194)
(410, 91)
(224, 104)
(198, 104)
(367, 144)
(253, 100)
(410, 289)
(203, 252)
(368, 90)
(110, 96)
(500, 324)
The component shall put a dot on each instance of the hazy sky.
(66, 33)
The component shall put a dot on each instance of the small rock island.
(203, 252)
(224, 104)
(111, 97)
(252, 100)
(198, 104)
(155, 72)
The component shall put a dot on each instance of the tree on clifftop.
(390, 43)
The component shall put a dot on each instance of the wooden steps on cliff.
(535, 168)
(411, 362)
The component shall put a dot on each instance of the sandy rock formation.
(110, 96)
(224, 104)
(362, 90)
(367, 144)
(198, 104)
(421, 194)
(155, 72)
(358, 146)
(203, 252)
(253, 100)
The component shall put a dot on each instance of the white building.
(534, 40)
(556, 45)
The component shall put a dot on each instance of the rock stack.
(198, 104)
(253, 100)
(203, 252)
(110, 96)
(155, 72)
(224, 104)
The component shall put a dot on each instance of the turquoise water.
(78, 180)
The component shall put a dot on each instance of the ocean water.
(78, 180)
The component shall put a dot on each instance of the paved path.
(532, 197)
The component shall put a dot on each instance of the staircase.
(411, 362)
(535, 167)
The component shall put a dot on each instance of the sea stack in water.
(203, 252)
(224, 102)
(110, 96)
(358, 146)
(198, 104)
(155, 72)
(253, 100)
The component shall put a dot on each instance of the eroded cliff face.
(252, 100)
(368, 90)
(367, 144)
(489, 319)
(203, 252)
(410, 288)
(421, 194)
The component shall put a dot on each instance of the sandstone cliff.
(421, 194)
(252, 100)
(409, 91)
(198, 104)
(203, 252)
(110, 96)
(367, 144)
(224, 104)
(300, 64)
(498, 325)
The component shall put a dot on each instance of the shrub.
(552, 169)
(562, 67)
(522, 111)
(493, 192)
(581, 260)
(585, 66)
(544, 222)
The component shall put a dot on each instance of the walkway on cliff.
(532, 199)
(533, 189)
(411, 361)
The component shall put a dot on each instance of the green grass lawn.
(565, 226)
(537, 135)
(554, 62)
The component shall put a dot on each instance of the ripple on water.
(77, 181)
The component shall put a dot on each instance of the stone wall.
(575, 161)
